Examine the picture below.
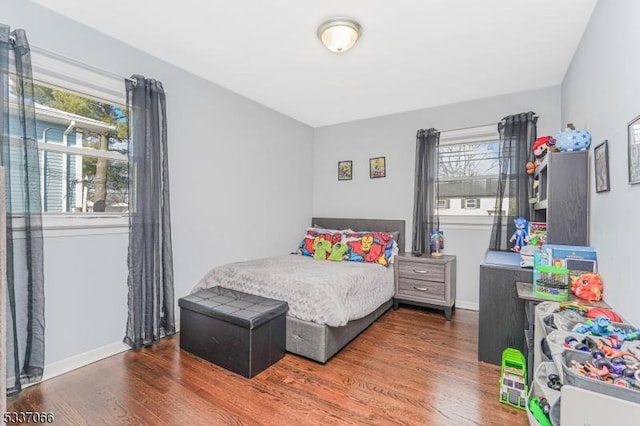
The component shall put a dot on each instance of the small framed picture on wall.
(345, 170)
(634, 150)
(601, 166)
(377, 167)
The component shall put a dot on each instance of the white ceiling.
(412, 54)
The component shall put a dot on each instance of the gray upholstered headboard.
(381, 225)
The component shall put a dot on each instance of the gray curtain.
(150, 259)
(25, 266)
(425, 217)
(517, 133)
(3, 297)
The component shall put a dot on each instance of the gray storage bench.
(235, 330)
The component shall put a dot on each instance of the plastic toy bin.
(575, 379)
(552, 282)
(554, 414)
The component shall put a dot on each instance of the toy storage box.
(554, 415)
(551, 282)
(574, 379)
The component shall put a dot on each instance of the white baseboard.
(471, 306)
(69, 364)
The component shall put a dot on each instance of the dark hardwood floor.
(411, 367)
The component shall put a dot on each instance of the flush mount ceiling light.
(339, 34)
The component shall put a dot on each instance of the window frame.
(57, 71)
(446, 203)
(470, 135)
(476, 202)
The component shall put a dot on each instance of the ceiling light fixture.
(339, 34)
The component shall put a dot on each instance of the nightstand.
(426, 281)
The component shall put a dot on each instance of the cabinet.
(426, 281)
(563, 197)
(501, 316)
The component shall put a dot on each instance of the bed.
(315, 329)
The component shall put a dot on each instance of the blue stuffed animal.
(572, 139)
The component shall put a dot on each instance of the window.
(83, 152)
(468, 171)
(82, 133)
(444, 203)
(471, 203)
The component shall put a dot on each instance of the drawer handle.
(420, 288)
(420, 271)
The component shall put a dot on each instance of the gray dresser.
(426, 281)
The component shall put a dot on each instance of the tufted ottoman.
(235, 330)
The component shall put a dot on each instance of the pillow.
(372, 247)
(322, 228)
(308, 244)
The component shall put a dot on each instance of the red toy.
(540, 147)
(603, 312)
(588, 287)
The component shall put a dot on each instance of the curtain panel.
(24, 238)
(517, 133)
(425, 217)
(150, 258)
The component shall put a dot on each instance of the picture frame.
(601, 166)
(377, 167)
(633, 134)
(345, 170)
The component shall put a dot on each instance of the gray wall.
(601, 93)
(236, 167)
(393, 137)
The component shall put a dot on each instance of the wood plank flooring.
(411, 367)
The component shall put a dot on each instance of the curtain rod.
(473, 127)
(80, 64)
(465, 128)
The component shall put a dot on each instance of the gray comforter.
(324, 292)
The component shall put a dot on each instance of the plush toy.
(520, 234)
(572, 139)
(338, 252)
(323, 248)
(531, 167)
(588, 287)
(540, 147)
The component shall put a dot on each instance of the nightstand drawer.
(421, 271)
(420, 288)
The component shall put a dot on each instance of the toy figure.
(588, 287)
(602, 326)
(520, 235)
(540, 147)
(437, 242)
